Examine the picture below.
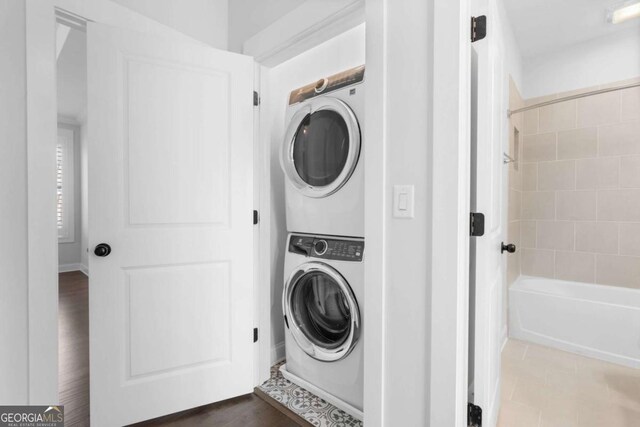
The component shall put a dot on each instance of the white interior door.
(488, 198)
(170, 128)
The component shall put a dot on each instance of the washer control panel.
(327, 247)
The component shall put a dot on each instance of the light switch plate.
(403, 201)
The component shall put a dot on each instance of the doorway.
(72, 223)
(171, 181)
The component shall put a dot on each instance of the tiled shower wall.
(579, 217)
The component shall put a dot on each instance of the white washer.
(322, 156)
(322, 306)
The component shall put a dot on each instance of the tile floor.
(305, 404)
(544, 387)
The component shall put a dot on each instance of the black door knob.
(511, 248)
(102, 249)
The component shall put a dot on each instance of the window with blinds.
(64, 185)
(59, 185)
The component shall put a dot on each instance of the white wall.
(513, 56)
(341, 53)
(69, 252)
(592, 63)
(204, 20)
(14, 354)
(71, 78)
(249, 17)
(408, 275)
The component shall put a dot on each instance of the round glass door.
(322, 312)
(321, 147)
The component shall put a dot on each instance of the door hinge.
(256, 217)
(476, 224)
(478, 28)
(255, 334)
(256, 98)
(474, 415)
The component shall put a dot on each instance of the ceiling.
(544, 26)
(249, 17)
(204, 20)
(72, 76)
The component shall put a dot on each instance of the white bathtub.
(592, 320)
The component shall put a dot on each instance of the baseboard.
(65, 268)
(277, 353)
(581, 350)
(505, 337)
(84, 269)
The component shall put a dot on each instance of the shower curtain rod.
(570, 97)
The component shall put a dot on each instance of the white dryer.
(322, 156)
(322, 306)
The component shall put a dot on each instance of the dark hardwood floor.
(244, 411)
(73, 318)
(73, 347)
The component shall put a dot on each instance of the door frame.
(41, 227)
(429, 274)
(451, 206)
(445, 50)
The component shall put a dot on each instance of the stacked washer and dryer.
(324, 271)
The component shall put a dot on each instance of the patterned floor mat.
(307, 405)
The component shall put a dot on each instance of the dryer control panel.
(327, 247)
(328, 84)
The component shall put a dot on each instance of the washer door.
(321, 147)
(321, 311)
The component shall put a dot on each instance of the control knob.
(321, 85)
(320, 246)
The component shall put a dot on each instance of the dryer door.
(321, 146)
(321, 311)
